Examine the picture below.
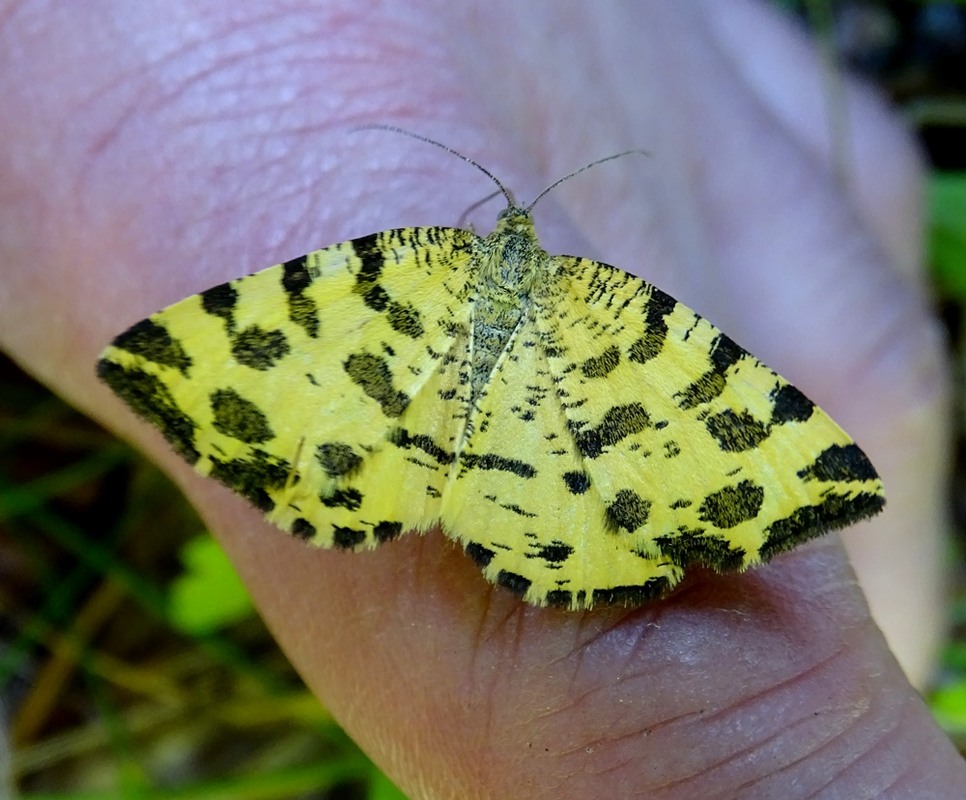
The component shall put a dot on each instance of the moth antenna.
(419, 137)
(603, 160)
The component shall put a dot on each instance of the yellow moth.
(582, 434)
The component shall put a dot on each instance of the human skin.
(149, 151)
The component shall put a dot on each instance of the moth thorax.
(512, 267)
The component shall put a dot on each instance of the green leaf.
(209, 594)
(381, 788)
(948, 706)
(947, 231)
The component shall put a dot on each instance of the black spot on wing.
(724, 355)
(732, 505)
(371, 262)
(556, 552)
(628, 510)
(406, 440)
(347, 538)
(405, 319)
(563, 598)
(513, 581)
(617, 423)
(515, 509)
(601, 366)
(576, 482)
(686, 547)
(150, 399)
(349, 499)
(672, 449)
(491, 461)
(480, 554)
(152, 342)
(337, 459)
(840, 463)
(386, 531)
(835, 511)
(632, 595)
(239, 418)
(295, 275)
(252, 477)
(301, 308)
(703, 390)
(725, 352)
(736, 432)
(220, 301)
(790, 405)
(372, 374)
(259, 349)
(303, 529)
(658, 308)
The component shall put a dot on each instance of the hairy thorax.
(513, 270)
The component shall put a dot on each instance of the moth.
(584, 436)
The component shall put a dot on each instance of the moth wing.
(326, 390)
(699, 451)
(623, 438)
(521, 501)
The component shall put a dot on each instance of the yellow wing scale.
(312, 387)
(581, 433)
(536, 523)
(698, 451)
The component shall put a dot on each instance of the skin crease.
(156, 150)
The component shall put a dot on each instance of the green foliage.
(948, 706)
(947, 232)
(208, 595)
(381, 788)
